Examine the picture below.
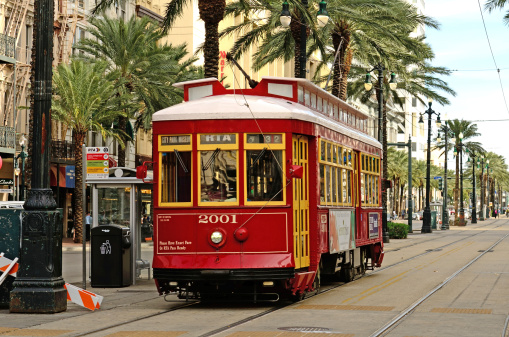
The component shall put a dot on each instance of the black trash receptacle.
(111, 258)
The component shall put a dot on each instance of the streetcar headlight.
(216, 237)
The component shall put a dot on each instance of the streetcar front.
(220, 215)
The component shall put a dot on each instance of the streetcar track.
(185, 305)
(408, 311)
(286, 305)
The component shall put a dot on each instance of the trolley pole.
(410, 201)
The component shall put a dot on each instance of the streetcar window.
(336, 114)
(313, 101)
(175, 176)
(264, 175)
(307, 98)
(362, 188)
(218, 175)
(300, 91)
(322, 183)
(327, 185)
(322, 150)
(319, 104)
(334, 186)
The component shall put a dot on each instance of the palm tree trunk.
(341, 39)
(122, 122)
(295, 29)
(79, 140)
(456, 193)
(211, 12)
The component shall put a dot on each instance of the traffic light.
(440, 184)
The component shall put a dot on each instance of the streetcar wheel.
(298, 297)
(347, 273)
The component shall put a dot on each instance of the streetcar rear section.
(260, 199)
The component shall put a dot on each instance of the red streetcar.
(260, 192)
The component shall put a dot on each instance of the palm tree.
(372, 32)
(262, 29)
(491, 5)
(469, 131)
(397, 170)
(145, 70)
(84, 100)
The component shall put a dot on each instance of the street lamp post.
(39, 286)
(426, 224)
(382, 138)
(445, 210)
(480, 161)
(474, 199)
(487, 204)
(286, 18)
(23, 155)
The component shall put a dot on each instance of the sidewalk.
(68, 245)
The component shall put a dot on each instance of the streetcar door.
(300, 203)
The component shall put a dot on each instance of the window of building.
(414, 102)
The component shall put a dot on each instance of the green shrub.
(397, 230)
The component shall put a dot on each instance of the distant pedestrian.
(88, 225)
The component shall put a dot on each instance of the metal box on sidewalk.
(10, 232)
(111, 259)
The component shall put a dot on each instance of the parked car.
(421, 214)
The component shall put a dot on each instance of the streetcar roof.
(239, 106)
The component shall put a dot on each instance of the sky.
(461, 44)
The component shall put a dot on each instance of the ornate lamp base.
(39, 287)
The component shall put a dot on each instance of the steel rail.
(411, 308)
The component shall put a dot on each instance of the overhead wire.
(493, 56)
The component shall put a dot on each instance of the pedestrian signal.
(440, 184)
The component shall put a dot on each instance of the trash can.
(433, 219)
(111, 256)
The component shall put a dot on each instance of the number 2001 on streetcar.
(261, 192)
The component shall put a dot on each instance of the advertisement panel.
(341, 231)
(373, 225)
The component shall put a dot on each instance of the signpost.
(437, 177)
(97, 163)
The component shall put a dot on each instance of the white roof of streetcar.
(239, 104)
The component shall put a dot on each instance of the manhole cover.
(304, 329)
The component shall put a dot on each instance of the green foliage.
(397, 230)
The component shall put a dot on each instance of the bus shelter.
(122, 199)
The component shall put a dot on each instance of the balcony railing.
(7, 45)
(7, 137)
(62, 150)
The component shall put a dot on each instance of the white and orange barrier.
(7, 267)
(82, 297)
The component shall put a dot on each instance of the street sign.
(97, 162)
(437, 177)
